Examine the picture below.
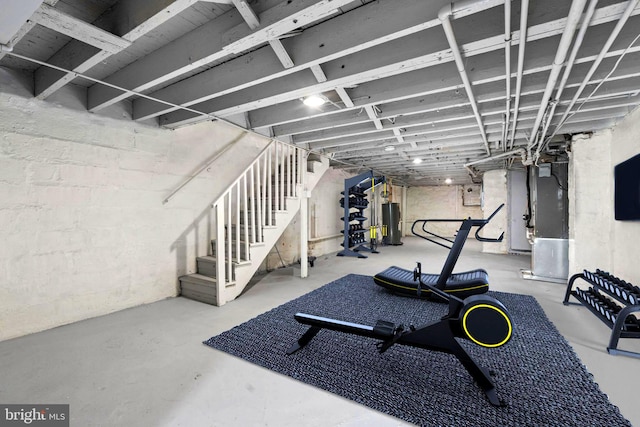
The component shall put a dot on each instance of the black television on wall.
(627, 189)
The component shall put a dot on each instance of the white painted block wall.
(495, 193)
(82, 225)
(597, 240)
(438, 202)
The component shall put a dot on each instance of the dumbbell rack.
(354, 197)
(354, 231)
(613, 301)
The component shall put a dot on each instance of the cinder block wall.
(591, 203)
(494, 187)
(438, 202)
(83, 228)
(325, 213)
(597, 240)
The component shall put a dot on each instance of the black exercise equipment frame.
(437, 336)
(466, 225)
(458, 243)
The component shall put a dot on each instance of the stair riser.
(208, 268)
(249, 227)
(255, 219)
(198, 292)
(274, 203)
(243, 251)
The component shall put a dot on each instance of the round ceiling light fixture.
(314, 101)
(389, 148)
(448, 181)
(417, 161)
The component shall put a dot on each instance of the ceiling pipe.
(584, 25)
(445, 19)
(524, 13)
(507, 64)
(573, 19)
(605, 49)
(518, 151)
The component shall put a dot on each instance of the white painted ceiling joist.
(384, 66)
(219, 39)
(80, 58)
(263, 95)
(75, 28)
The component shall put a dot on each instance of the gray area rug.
(537, 373)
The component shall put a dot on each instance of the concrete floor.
(146, 366)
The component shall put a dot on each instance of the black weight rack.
(354, 202)
(613, 301)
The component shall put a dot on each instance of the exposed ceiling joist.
(142, 17)
(320, 44)
(75, 28)
(211, 42)
(384, 68)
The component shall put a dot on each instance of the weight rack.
(354, 197)
(613, 301)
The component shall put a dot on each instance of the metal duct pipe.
(588, 16)
(445, 18)
(518, 151)
(524, 12)
(605, 49)
(573, 19)
(507, 64)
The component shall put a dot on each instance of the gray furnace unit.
(391, 219)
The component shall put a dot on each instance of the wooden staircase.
(250, 217)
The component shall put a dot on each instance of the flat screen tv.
(627, 189)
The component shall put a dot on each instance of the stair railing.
(248, 204)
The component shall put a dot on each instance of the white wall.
(438, 202)
(495, 192)
(597, 240)
(83, 228)
(325, 213)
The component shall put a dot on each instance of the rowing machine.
(479, 318)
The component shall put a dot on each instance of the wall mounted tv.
(627, 189)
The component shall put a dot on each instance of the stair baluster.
(261, 202)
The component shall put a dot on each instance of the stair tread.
(212, 259)
(250, 244)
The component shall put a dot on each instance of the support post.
(304, 222)
(220, 267)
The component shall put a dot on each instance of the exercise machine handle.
(454, 302)
(485, 222)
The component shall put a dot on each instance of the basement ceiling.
(414, 89)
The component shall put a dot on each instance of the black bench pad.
(462, 285)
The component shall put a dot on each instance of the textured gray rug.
(536, 373)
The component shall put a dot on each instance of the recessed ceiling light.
(389, 148)
(448, 181)
(314, 101)
(417, 161)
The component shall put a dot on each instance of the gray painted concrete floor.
(146, 366)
